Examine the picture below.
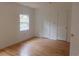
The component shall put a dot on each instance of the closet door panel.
(62, 24)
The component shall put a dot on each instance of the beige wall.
(31, 12)
(9, 23)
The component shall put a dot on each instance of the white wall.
(51, 20)
(74, 42)
(9, 23)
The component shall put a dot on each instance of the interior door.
(74, 46)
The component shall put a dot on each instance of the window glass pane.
(24, 22)
(24, 18)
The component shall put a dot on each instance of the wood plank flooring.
(37, 47)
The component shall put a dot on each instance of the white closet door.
(53, 22)
(62, 24)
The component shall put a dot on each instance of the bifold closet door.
(62, 24)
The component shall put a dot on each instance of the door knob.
(72, 35)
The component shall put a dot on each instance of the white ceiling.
(34, 4)
(43, 4)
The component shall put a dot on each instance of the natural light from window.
(24, 22)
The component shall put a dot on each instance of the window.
(24, 22)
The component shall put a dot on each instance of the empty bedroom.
(39, 28)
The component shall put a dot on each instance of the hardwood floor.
(37, 47)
